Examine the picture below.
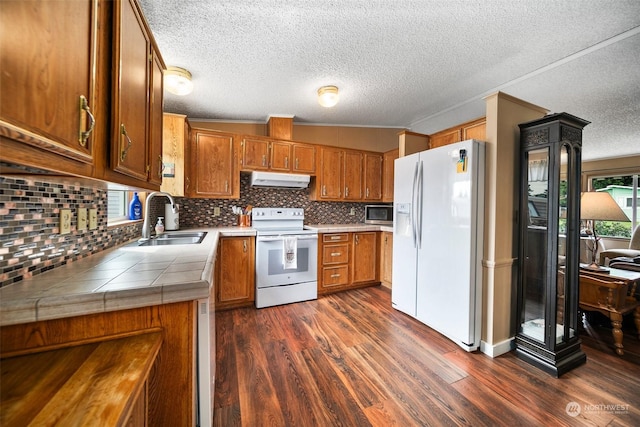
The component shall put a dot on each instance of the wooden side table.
(612, 296)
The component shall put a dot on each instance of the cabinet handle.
(188, 183)
(357, 240)
(324, 190)
(244, 246)
(367, 195)
(160, 166)
(264, 160)
(297, 167)
(226, 186)
(335, 237)
(346, 191)
(334, 276)
(123, 153)
(286, 162)
(336, 253)
(83, 136)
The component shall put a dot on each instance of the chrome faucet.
(146, 227)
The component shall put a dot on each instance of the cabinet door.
(372, 176)
(444, 138)
(129, 153)
(330, 173)
(304, 158)
(235, 284)
(47, 86)
(386, 263)
(155, 140)
(173, 152)
(388, 164)
(255, 154)
(212, 173)
(280, 156)
(475, 130)
(365, 257)
(352, 175)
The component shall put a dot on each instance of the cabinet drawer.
(335, 276)
(335, 254)
(335, 237)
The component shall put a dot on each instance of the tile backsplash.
(30, 239)
(200, 212)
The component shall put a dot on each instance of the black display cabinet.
(549, 243)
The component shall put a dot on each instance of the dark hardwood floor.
(350, 359)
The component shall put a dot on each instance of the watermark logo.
(573, 409)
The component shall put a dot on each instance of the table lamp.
(598, 206)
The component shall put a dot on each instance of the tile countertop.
(119, 278)
(347, 228)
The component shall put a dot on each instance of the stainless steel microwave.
(378, 214)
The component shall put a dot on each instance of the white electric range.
(286, 257)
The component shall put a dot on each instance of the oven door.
(270, 269)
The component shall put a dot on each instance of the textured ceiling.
(423, 65)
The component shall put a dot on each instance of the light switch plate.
(93, 218)
(65, 221)
(82, 219)
(216, 211)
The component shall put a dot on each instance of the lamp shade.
(600, 206)
(178, 81)
(328, 96)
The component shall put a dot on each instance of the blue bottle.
(135, 207)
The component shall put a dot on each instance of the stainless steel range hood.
(279, 180)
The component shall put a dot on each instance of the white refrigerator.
(437, 242)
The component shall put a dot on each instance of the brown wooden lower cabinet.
(235, 272)
(347, 261)
(171, 381)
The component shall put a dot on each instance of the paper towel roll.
(171, 220)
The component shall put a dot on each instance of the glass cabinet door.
(534, 281)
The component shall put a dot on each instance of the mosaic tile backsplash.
(30, 239)
(200, 212)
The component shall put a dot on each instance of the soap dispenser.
(159, 226)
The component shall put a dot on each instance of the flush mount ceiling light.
(328, 96)
(178, 81)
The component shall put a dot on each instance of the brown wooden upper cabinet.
(212, 171)
(345, 174)
(353, 176)
(54, 73)
(49, 94)
(373, 176)
(475, 129)
(388, 167)
(263, 153)
(304, 158)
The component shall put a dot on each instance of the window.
(117, 205)
(622, 189)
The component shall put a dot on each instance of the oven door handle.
(281, 238)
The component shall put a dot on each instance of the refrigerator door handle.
(419, 207)
(413, 206)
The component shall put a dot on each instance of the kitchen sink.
(174, 238)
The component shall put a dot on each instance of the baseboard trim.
(498, 349)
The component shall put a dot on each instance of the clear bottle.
(160, 226)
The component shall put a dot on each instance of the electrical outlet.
(65, 221)
(93, 218)
(82, 219)
(352, 212)
(216, 211)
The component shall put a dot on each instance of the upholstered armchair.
(632, 252)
